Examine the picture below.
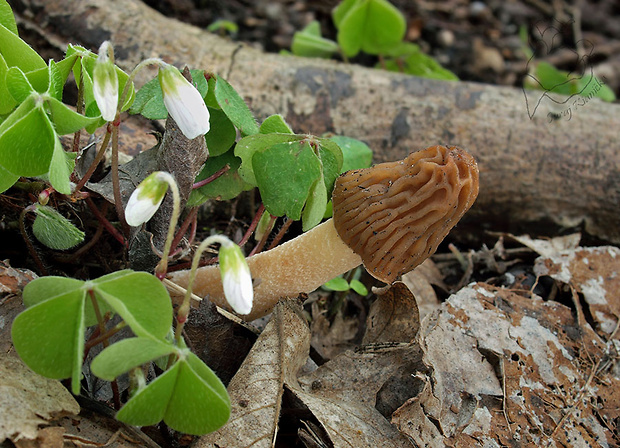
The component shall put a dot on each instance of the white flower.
(105, 84)
(146, 199)
(236, 277)
(183, 102)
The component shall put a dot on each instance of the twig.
(504, 398)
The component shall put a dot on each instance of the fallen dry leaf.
(393, 317)
(420, 281)
(12, 280)
(331, 338)
(28, 400)
(512, 370)
(343, 393)
(550, 246)
(594, 272)
(51, 437)
(256, 390)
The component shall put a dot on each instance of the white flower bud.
(236, 277)
(183, 102)
(146, 199)
(105, 84)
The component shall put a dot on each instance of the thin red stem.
(253, 224)
(103, 220)
(116, 187)
(190, 218)
(31, 249)
(263, 240)
(280, 233)
(212, 177)
(93, 166)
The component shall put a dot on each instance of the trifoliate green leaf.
(275, 124)
(372, 26)
(235, 108)
(124, 355)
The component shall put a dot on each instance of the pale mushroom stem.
(394, 215)
(297, 266)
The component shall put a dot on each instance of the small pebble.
(445, 38)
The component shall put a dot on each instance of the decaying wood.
(532, 171)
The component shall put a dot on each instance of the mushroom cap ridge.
(395, 214)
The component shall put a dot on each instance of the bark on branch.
(531, 170)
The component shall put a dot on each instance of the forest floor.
(522, 348)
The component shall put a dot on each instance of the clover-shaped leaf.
(248, 146)
(309, 42)
(372, 26)
(222, 134)
(49, 334)
(18, 53)
(285, 173)
(275, 124)
(124, 355)
(17, 84)
(188, 397)
(7, 19)
(7, 179)
(27, 140)
(291, 172)
(235, 108)
(66, 121)
(140, 299)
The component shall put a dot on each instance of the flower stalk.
(234, 274)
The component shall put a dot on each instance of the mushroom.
(390, 217)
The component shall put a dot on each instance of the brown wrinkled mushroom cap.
(394, 215)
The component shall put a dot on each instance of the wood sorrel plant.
(293, 173)
(375, 27)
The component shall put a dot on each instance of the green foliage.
(223, 26)
(340, 284)
(372, 26)
(168, 397)
(309, 43)
(407, 58)
(235, 108)
(227, 186)
(54, 230)
(149, 101)
(293, 173)
(49, 335)
(375, 27)
(275, 124)
(546, 77)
